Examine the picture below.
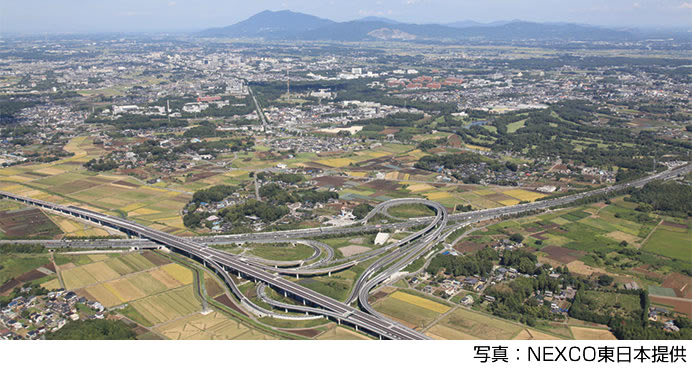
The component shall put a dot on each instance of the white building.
(381, 238)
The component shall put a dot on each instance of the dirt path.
(641, 243)
(434, 322)
(257, 187)
(465, 234)
(57, 270)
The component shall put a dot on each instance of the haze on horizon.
(50, 16)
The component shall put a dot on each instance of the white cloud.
(172, 3)
(685, 5)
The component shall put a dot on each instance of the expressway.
(473, 215)
(266, 273)
(223, 262)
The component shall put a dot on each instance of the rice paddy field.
(167, 306)
(107, 269)
(463, 324)
(213, 325)
(449, 195)
(149, 289)
(116, 279)
(413, 311)
(67, 182)
(581, 333)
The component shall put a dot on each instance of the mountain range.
(288, 25)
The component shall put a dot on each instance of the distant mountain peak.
(377, 19)
(289, 25)
(270, 24)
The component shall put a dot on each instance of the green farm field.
(282, 251)
(673, 242)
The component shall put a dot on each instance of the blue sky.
(183, 15)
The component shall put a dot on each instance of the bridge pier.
(356, 327)
(329, 273)
(285, 294)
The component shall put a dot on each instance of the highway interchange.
(387, 261)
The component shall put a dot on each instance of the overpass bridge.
(224, 264)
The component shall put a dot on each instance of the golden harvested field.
(408, 314)
(137, 261)
(620, 236)
(210, 326)
(101, 192)
(236, 173)
(119, 266)
(168, 305)
(484, 192)
(100, 271)
(339, 333)
(438, 195)
(103, 295)
(508, 202)
(146, 283)
(419, 188)
(591, 334)
(444, 332)
(396, 175)
(67, 226)
(166, 279)
(75, 146)
(142, 212)
(375, 154)
(477, 147)
(357, 174)
(524, 195)
(105, 281)
(50, 171)
(579, 267)
(336, 162)
(76, 278)
(51, 284)
(529, 334)
(476, 325)
(180, 273)
(417, 153)
(420, 302)
(124, 289)
(99, 257)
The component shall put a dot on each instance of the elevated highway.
(223, 263)
(397, 256)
